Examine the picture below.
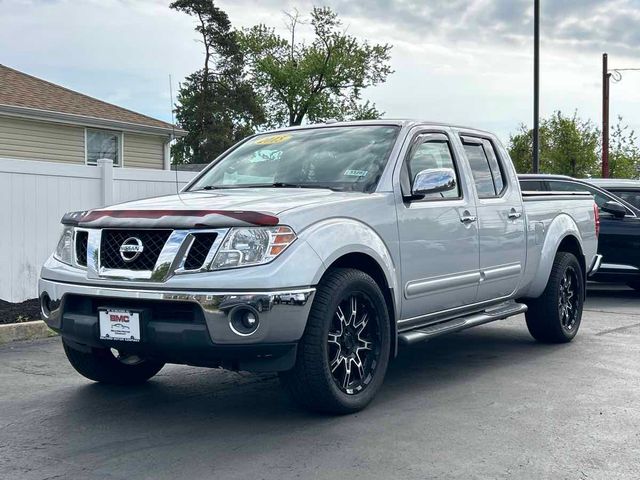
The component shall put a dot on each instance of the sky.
(460, 61)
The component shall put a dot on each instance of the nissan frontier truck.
(318, 252)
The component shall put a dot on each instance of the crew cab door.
(438, 233)
(501, 220)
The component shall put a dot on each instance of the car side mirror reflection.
(614, 208)
(433, 180)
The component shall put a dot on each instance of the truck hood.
(214, 208)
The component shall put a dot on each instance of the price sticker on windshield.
(272, 139)
(356, 173)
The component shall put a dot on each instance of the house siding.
(143, 151)
(33, 140)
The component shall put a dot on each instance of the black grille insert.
(152, 243)
(160, 310)
(82, 238)
(199, 250)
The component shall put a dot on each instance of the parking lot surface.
(485, 403)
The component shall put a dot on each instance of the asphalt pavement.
(488, 403)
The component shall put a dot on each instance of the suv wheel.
(343, 356)
(555, 316)
(111, 366)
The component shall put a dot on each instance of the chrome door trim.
(420, 287)
(501, 272)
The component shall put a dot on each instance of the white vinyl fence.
(35, 195)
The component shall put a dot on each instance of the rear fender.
(560, 228)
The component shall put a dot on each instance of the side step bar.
(462, 323)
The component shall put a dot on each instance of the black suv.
(627, 190)
(619, 241)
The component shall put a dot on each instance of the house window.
(103, 144)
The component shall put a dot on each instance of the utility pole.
(608, 75)
(605, 115)
(536, 86)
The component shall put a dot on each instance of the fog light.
(249, 320)
(45, 305)
(244, 320)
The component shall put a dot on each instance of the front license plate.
(122, 325)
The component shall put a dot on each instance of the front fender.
(560, 228)
(334, 238)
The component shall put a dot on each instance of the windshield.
(339, 158)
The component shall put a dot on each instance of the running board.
(462, 323)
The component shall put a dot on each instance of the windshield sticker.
(356, 173)
(272, 139)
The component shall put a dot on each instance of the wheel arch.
(571, 244)
(351, 243)
(367, 264)
(563, 235)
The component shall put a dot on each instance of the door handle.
(466, 219)
(513, 215)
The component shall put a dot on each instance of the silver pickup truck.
(316, 252)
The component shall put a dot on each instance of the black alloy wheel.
(568, 301)
(555, 316)
(353, 344)
(343, 355)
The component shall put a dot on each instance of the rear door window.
(487, 174)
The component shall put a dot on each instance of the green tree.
(217, 104)
(568, 146)
(520, 149)
(315, 80)
(624, 154)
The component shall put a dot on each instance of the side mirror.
(433, 180)
(614, 208)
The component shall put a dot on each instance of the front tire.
(102, 365)
(344, 353)
(555, 316)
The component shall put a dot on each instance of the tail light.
(596, 215)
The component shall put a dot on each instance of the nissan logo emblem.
(131, 249)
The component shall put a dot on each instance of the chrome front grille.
(82, 238)
(199, 250)
(159, 253)
(152, 242)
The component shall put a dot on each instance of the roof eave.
(87, 121)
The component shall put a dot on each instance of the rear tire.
(101, 365)
(343, 355)
(555, 316)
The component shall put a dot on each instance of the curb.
(13, 332)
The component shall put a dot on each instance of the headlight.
(64, 250)
(252, 246)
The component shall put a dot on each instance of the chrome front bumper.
(282, 314)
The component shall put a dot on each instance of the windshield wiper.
(300, 185)
(282, 185)
(292, 185)
(267, 185)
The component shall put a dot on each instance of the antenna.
(173, 132)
